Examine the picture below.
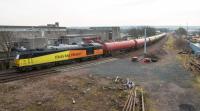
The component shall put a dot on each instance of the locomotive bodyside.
(36, 59)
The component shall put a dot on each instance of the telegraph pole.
(187, 32)
(145, 43)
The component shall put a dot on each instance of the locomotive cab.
(16, 61)
(22, 60)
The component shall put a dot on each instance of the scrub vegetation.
(63, 93)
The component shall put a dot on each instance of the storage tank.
(120, 45)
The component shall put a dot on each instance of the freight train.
(37, 59)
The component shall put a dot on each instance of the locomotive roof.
(83, 46)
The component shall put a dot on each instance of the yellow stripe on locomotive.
(59, 56)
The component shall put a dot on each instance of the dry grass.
(184, 59)
(56, 93)
(150, 104)
(180, 45)
(170, 43)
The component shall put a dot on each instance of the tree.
(6, 44)
(163, 29)
(181, 31)
(138, 32)
(134, 32)
(150, 31)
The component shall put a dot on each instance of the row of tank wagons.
(129, 44)
(63, 54)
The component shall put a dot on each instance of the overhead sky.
(100, 12)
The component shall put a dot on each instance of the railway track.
(71, 68)
(18, 76)
(135, 100)
(13, 76)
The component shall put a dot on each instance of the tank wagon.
(110, 47)
(36, 59)
(120, 45)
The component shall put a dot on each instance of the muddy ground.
(169, 86)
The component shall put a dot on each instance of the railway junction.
(107, 84)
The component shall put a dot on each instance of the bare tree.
(181, 31)
(6, 44)
(138, 32)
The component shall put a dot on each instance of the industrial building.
(33, 43)
(31, 37)
(74, 38)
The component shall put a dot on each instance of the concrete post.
(145, 44)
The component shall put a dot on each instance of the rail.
(13, 75)
(135, 100)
